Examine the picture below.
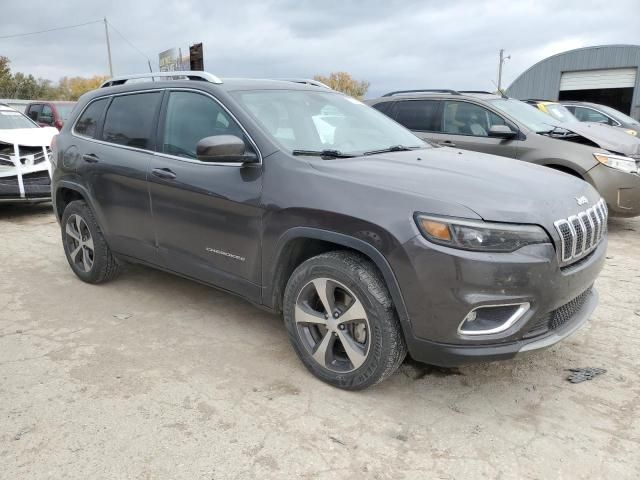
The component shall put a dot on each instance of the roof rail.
(305, 81)
(182, 74)
(422, 90)
(532, 100)
(476, 91)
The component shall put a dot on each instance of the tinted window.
(130, 120)
(88, 122)
(191, 117)
(383, 107)
(464, 118)
(33, 112)
(46, 116)
(418, 115)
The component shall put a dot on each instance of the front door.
(114, 161)
(466, 125)
(207, 216)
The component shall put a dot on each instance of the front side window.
(191, 117)
(87, 124)
(46, 116)
(130, 120)
(418, 115)
(464, 118)
(306, 120)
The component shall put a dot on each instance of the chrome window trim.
(162, 154)
(508, 323)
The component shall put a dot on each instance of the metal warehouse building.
(607, 74)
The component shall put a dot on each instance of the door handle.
(448, 143)
(165, 173)
(91, 158)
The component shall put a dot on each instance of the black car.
(305, 201)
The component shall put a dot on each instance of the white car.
(25, 169)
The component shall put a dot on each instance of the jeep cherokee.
(370, 241)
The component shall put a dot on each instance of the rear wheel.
(87, 252)
(341, 321)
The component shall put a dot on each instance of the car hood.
(496, 188)
(605, 136)
(30, 137)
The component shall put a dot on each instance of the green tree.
(6, 79)
(345, 83)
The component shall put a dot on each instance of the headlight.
(479, 236)
(632, 132)
(618, 162)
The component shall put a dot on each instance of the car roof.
(452, 94)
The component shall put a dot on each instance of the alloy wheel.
(79, 243)
(333, 325)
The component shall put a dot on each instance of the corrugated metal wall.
(543, 79)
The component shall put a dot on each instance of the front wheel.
(341, 321)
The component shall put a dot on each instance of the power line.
(49, 30)
(126, 40)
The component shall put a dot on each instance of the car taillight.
(58, 124)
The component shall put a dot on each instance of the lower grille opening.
(558, 317)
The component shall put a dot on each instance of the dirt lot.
(152, 376)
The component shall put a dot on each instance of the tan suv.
(483, 122)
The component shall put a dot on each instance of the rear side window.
(87, 124)
(383, 107)
(418, 115)
(130, 120)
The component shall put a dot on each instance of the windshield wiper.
(393, 148)
(328, 153)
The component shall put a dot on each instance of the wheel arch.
(67, 192)
(301, 243)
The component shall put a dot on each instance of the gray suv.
(306, 202)
(488, 123)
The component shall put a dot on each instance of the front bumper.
(440, 286)
(25, 174)
(447, 355)
(620, 190)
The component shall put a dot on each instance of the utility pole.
(502, 60)
(106, 31)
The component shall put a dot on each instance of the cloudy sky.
(392, 44)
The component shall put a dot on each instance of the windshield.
(64, 110)
(527, 114)
(303, 120)
(617, 115)
(11, 119)
(560, 113)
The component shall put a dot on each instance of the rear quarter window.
(87, 124)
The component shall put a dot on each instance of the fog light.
(491, 319)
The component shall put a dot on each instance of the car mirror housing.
(224, 148)
(501, 131)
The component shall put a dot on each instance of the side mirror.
(501, 131)
(224, 148)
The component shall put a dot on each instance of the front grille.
(28, 155)
(558, 317)
(581, 233)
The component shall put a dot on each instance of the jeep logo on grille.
(582, 200)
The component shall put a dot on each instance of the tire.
(90, 258)
(354, 289)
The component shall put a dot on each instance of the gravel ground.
(153, 376)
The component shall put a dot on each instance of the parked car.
(49, 114)
(24, 158)
(593, 112)
(370, 241)
(605, 136)
(488, 123)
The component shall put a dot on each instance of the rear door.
(115, 149)
(207, 216)
(466, 125)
